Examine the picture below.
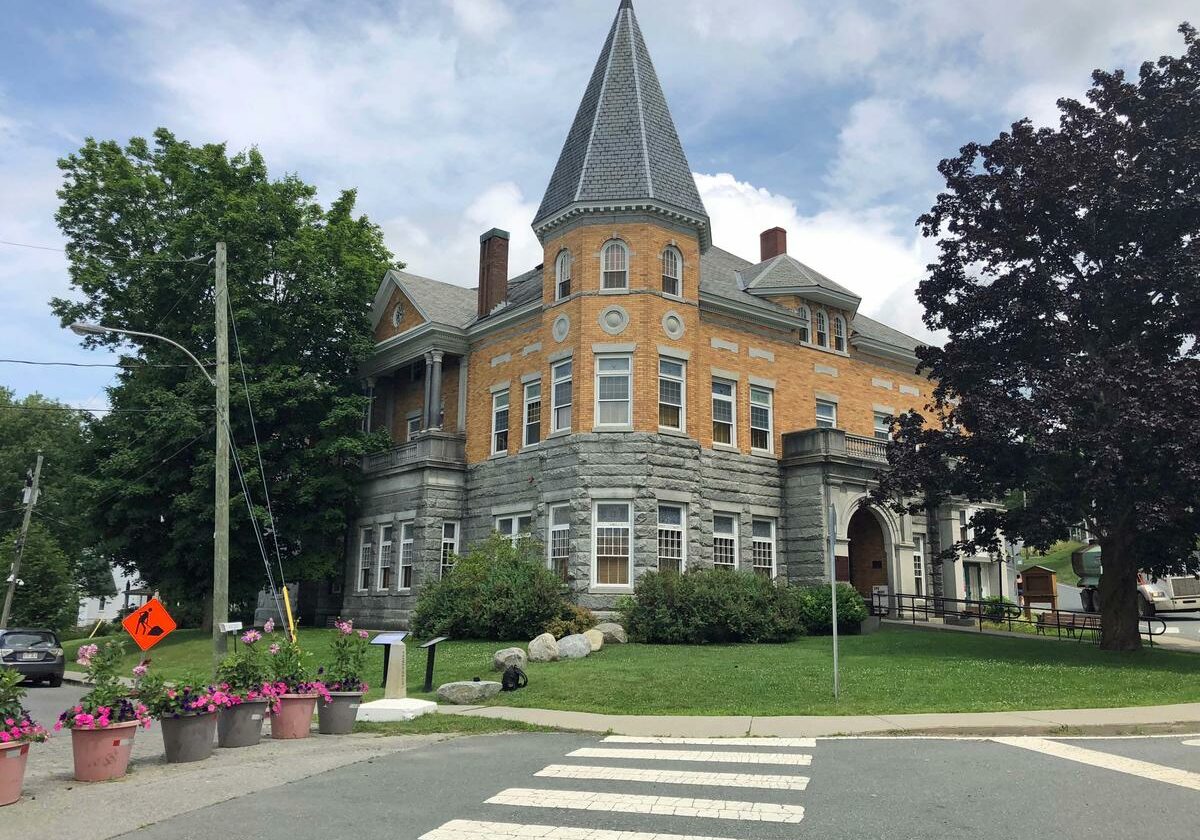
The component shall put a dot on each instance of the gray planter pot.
(188, 738)
(337, 716)
(241, 725)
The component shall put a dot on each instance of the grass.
(1057, 558)
(896, 670)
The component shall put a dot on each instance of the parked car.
(35, 653)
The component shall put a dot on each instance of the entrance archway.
(868, 552)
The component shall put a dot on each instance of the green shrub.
(710, 605)
(574, 619)
(999, 608)
(816, 611)
(497, 591)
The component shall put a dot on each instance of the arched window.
(615, 264)
(672, 272)
(562, 275)
(802, 314)
(822, 330)
(839, 334)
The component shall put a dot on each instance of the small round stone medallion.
(672, 324)
(614, 320)
(560, 328)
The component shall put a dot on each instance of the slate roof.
(442, 303)
(623, 145)
(787, 272)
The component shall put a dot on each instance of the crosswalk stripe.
(674, 777)
(671, 806)
(793, 759)
(777, 743)
(1118, 763)
(476, 830)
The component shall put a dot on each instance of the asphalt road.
(868, 789)
(1186, 625)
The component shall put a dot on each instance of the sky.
(827, 119)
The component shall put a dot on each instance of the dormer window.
(615, 263)
(802, 314)
(839, 334)
(822, 330)
(672, 272)
(562, 275)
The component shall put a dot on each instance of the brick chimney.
(493, 269)
(772, 243)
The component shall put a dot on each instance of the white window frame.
(821, 422)
(669, 254)
(449, 546)
(385, 550)
(607, 254)
(562, 274)
(821, 328)
(679, 533)
(557, 379)
(526, 422)
(733, 538)
(496, 410)
(558, 539)
(731, 399)
(761, 544)
(919, 565)
(839, 333)
(628, 525)
(366, 557)
(883, 429)
(628, 374)
(512, 531)
(770, 408)
(682, 380)
(805, 324)
(407, 540)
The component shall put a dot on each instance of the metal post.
(833, 592)
(220, 594)
(16, 566)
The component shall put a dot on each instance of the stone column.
(425, 414)
(435, 392)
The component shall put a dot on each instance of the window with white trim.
(449, 546)
(672, 538)
(762, 416)
(822, 330)
(839, 334)
(614, 390)
(560, 408)
(763, 546)
(533, 413)
(826, 414)
(802, 314)
(414, 427)
(672, 272)
(406, 554)
(671, 391)
(612, 543)
(366, 557)
(919, 564)
(383, 576)
(562, 275)
(515, 526)
(499, 422)
(615, 264)
(883, 428)
(724, 412)
(725, 541)
(558, 540)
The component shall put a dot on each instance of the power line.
(91, 364)
(125, 257)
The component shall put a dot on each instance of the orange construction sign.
(149, 624)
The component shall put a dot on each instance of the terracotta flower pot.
(188, 737)
(241, 725)
(294, 718)
(103, 754)
(337, 716)
(12, 771)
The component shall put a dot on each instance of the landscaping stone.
(595, 639)
(613, 633)
(543, 649)
(574, 647)
(468, 692)
(501, 659)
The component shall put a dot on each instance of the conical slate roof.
(623, 149)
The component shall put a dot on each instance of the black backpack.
(513, 679)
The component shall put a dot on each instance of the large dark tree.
(1068, 283)
(301, 279)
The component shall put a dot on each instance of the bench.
(1075, 624)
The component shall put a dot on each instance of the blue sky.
(448, 115)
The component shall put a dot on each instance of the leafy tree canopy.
(141, 223)
(49, 596)
(1067, 283)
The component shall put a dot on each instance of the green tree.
(48, 595)
(141, 222)
(1067, 285)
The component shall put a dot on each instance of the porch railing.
(431, 446)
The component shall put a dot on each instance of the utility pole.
(220, 593)
(16, 566)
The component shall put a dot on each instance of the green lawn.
(1058, 558)
(894, 671)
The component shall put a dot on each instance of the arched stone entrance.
(868, 552)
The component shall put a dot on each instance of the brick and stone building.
(640, 400)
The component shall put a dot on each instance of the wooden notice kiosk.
(1039, 586)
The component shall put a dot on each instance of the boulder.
(595, 639)
(543, 649)
(468, 692)
(501, 659)
(576, 646)
(613, 633)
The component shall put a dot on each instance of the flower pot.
(337, 716)
(294, 717)
(189, 737)
(12, 771)
(241, 725)
(102, 754)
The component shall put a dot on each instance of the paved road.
(871, 789)
(1185, 625)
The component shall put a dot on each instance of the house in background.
(642, 399)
